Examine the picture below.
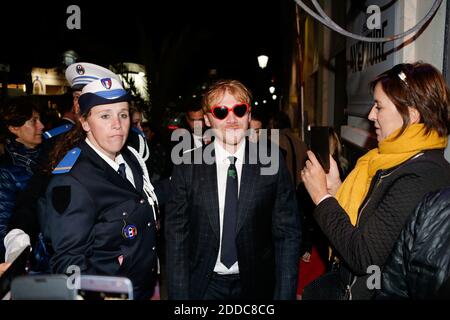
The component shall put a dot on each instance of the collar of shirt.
(68, 119)
(222, 154)
(114, 164)
(198, 140)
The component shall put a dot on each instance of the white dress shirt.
(222, 163)
(198, 141)
(114, 164)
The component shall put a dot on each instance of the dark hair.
(134, 107)
(259, 114)
(420, 86)
(16, 112)
(65, 103)
(280, 120)
(193, 104)
(70, 139)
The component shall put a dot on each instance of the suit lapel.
(110, 174)
(208, 178)
(249, 176)
(136, 169)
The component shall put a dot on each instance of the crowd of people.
(100, 191)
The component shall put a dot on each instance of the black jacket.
(392, 197)
(268, 230)
(88, 209)
(420, 261)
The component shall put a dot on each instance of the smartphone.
(17, 268)
(105, 288)
(320, 145)
(42, 287)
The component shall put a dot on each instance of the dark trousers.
(223, 287)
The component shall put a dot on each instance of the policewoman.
(101, 206)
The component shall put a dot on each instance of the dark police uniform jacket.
(89, 210)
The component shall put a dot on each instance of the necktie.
(121, 170)
(228, 254)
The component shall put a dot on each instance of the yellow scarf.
(390, 153)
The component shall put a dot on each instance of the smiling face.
(107, 127)
(30, 133)
(231, 130)
(384, 114)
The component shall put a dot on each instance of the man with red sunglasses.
(232, 232)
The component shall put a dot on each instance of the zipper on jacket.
(378, 178)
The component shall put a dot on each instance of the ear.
(13, 130)
(207, 122)
(76, 108)
(414, 115)
(85, 124)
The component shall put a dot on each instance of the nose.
(372, 114)
(231, 118)
(40, 125)
(116, 122)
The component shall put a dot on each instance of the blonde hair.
(218, 89)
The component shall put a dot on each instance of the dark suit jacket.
(268, 231)
(88, 207)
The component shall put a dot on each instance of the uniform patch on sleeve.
(61, 198)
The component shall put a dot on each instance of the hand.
(314, 178)
(333, 178)
(306, 257)
(3, 267)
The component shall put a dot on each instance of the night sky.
(180, 40)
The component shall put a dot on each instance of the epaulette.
(57, 131)
(138, 131)
(66, 164)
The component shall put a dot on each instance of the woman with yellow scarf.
(364, 215)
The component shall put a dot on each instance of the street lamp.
(271, 89)
(262, 61)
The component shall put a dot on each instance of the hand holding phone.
(320, 145)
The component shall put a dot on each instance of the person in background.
(293, 148)
(100, 205)
(257, 122)
(195, 121)
(363, 216)
(232, 232)
(66, 109)
(315, 245)
(23, 126)
(137, 117)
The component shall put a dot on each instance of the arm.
(419, 263)
(286, 232)
(394, 281)
(372, 243)
(177, 234)
(3, 267)
(7, 199)
(25, 216)
(71, 214)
